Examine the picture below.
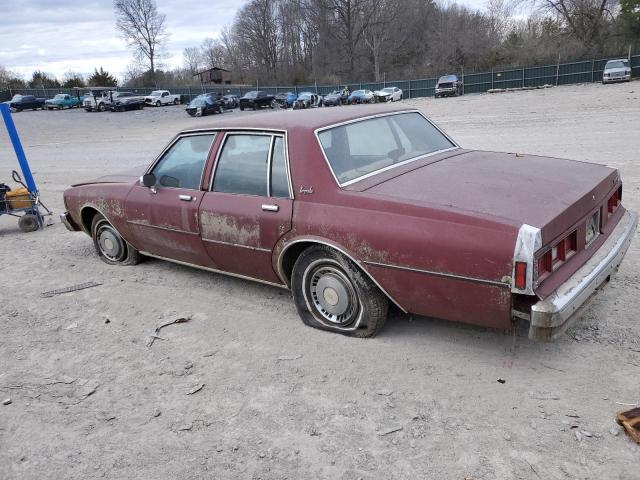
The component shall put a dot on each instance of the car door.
(163, 219)
(249, 205)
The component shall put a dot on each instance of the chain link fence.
(586, 71)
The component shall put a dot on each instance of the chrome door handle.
(270, 208)
(185, 198)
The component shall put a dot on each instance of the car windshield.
(156, 93)
(388, 90)
(364, 147)
(617, 64)
(251, 95)
(59, 96)
(16, 98)
(447, 79)
(198, 102)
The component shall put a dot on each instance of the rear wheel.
(28, 223)
(332, 293)
(176, 101)
(110, 246)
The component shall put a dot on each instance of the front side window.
(367, 146)
(182, 165)
(243, 166)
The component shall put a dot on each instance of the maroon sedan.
(354, 209)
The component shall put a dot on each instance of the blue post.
(17, 146)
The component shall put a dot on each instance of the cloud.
(57, 36)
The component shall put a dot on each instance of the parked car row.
(97, 99)
(210, 103)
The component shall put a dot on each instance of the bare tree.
(192, 58)
(143, 28)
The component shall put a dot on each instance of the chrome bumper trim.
(66, 220)
(551, 316)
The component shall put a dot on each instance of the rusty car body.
(360, 208)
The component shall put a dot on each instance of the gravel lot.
(280, 400)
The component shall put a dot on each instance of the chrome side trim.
(529, 241)
(237, 245)
(379, 115)
(214, 270)
(283, 277)
(177, 230)
(439, 274)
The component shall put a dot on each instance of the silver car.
(617, 71)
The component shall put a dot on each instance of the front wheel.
(110, 246)
(28, 223)
(158, 104)
(332, 293)
(101, 107)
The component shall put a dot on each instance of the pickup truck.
(62, 100)
(99, 99)
(26, 102)
(161, 97)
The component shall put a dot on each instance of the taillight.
(614, 200)
(559, 253)
(521, 275)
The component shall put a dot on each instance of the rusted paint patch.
(227, 228)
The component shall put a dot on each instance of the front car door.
(249, 205)
(163, 219)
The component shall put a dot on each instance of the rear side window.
(182, 165)
(251, 164)
(367, 146)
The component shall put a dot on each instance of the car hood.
(548, 193)
(128, 176)
(380, 93)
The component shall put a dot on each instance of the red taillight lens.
(521, 275)
(613, 202)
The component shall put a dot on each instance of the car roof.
(296, 119)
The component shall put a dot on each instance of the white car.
(617, 71)
(161, 97)
(99, 99)
(388, 94)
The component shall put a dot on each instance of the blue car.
(360, 96)
(286, 99)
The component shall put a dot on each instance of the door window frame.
(273, 135)
(176, 139)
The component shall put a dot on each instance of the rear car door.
(249, 205)
(163, 219)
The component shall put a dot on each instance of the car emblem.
(306, 191)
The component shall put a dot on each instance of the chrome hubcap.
(110, 243)
(332, 295)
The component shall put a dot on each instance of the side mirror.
(148, 180)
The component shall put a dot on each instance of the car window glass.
(364, 147)
(279, 179)
(242, 166)
(182, 165)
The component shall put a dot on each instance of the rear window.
(362, 148)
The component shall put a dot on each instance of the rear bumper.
(551, 317)
(68, 222)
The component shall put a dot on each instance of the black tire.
(28, 223)
(176, 101)
(255, 106)
(158, 103)
(18, 109)
(110, 246)
(351, 303)
(241, 108)
(101, 107)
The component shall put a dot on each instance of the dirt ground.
(425, 399)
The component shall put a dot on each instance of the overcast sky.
(59, 36)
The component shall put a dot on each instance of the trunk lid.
(548, 193)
